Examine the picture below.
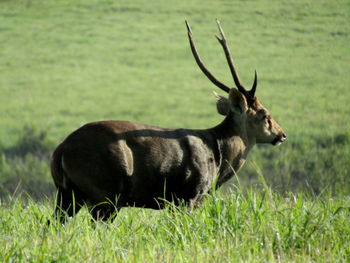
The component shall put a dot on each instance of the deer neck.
(233, 143)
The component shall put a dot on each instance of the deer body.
(139, 164)
(144, 164)
(130, 164)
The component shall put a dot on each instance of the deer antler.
(229, 59)
(206, 72)
(250, 95)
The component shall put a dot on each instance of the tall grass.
(239, 226)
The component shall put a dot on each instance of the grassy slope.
(64, 64)
(67, 63)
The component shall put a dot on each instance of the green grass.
(65, 63)
(237, 227)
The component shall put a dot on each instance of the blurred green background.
(65, 63)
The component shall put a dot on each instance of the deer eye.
(265, 117)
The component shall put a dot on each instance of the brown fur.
(129, 164)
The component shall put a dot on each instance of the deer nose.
(284, 136)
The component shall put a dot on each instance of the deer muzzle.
(279, 139)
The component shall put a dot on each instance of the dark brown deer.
(114, 164)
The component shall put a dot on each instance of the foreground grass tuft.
(240, 227)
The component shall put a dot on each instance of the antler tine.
(200, 63)
(252, 91)
(250, 95)
(229, 59)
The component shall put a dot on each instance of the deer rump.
(131, 164)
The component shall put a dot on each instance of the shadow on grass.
(24, 167)
(307, 164)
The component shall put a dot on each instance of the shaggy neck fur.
(234, 145)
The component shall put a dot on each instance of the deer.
(108, 165)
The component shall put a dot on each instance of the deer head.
(241, 103)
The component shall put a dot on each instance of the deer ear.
(238, 102)
(222, 104)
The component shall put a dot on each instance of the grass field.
(255, 227)
(65, 63)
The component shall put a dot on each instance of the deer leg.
(68, 203)
(104, 212)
